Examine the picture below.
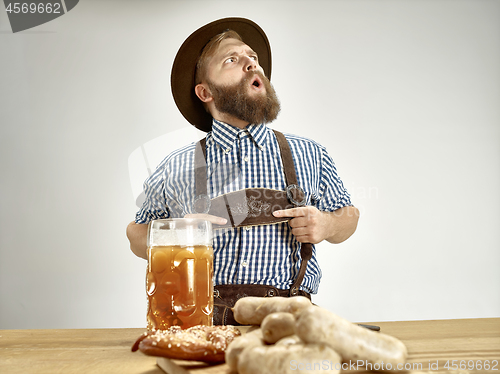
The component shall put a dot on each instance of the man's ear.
(203, 93)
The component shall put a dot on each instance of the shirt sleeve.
(333, 193)
(155, 203)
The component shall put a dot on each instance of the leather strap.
(286, 159)
(291, 180)
(201, 202)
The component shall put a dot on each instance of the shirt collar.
(225, 134)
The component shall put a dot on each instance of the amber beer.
(179, 280)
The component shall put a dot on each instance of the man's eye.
(254, 58)
(229, 60)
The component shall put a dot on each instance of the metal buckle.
(290, 195)
(202, 204)
(294, 291)
(271, 293)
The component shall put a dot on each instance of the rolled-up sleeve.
(333, 193)
(155, 203)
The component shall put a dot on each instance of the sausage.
(250, 339)
(287, 359)
(252, 310)
(351, 341)
(289, 340)
(276, 326)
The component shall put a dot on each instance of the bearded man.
(273, 195)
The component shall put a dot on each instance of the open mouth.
(256, 82)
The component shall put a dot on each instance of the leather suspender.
(291, 180)
(201, 202)
(294, 194)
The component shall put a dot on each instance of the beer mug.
(179, 280)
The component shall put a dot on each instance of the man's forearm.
(343, 223)
(137, 235)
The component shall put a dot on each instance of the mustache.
(250, 76)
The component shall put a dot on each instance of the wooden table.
(108, 350)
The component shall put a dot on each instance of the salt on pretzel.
(197, 343)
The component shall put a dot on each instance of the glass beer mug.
(179, 280)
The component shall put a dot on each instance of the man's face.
(238, 84)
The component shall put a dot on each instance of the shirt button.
(244, 264)
(245, 158)
(247, 228)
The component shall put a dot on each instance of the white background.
(404, 94)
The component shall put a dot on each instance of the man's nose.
(250, 64)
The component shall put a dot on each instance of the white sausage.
(276, 326)
(250, 339)
(289, 340)
(252, 310)
(351, 341)
(289, 359)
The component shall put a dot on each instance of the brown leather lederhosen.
(248, 207)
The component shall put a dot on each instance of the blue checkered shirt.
(248, 158)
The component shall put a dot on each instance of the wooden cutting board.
(190, 367)
(193, 367)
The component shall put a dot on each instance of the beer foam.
(181, 237)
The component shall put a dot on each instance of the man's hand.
(207, 217)
(137, 233)
(310, 225)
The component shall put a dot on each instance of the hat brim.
(182, 79)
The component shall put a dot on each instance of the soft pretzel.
(197, 343)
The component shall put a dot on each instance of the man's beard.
(235, 100)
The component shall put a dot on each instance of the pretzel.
(197, 343)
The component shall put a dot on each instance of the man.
(273, 195)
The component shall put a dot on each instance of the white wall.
(404, 94)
